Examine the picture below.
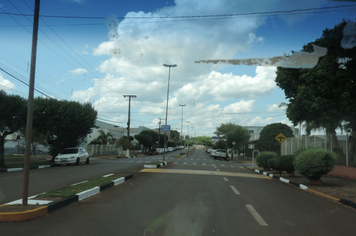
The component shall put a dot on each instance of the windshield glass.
(70, 151)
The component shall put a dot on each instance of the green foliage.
(223, 129)
(221, 144)
(324, 95)
(67, 122)
(263, 157)
(314, 163)
(104, 136)
(268, 142)
(238, 134)
(96, 142)
(285, 163)
(124, 143)
(145, 140)
(13, 113)
(204, 140)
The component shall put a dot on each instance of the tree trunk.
(2, 152)
(337, 148)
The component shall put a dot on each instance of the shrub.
(286, 163)
(313, 163)
(263, 158)
(274, 163)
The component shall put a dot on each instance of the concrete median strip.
(21, 169)
(51, 206)
(150, 166)
(301, 186)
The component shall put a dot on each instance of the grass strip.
(72, 190)
(32, 164)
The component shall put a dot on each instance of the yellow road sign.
(280, 138)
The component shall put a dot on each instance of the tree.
(223, 129)
(205, 140)
(221, 144)
(13, 113)
(38, 138)
(145, 140)
(239, 135)
(67, 122)
(268, 142)
(124, 143)
(175, 135)
(323, 96)
(104, 136)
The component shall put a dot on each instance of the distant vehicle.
(160, 150)
(71, 156)
(170, 149)
(153, 152)
(221, 154)
(209, 150)
(212, 153)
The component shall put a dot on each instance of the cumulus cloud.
(5, 84)
(136, 50)
(275, 107)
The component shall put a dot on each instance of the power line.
(191, 16)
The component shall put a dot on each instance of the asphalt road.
(195, 196)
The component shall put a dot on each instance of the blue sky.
(77, 60)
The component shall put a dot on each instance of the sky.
(97, 51)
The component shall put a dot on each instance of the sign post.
(280, 138)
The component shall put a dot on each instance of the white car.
(72, 155)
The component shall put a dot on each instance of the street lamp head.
(166, 65)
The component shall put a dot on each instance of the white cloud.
(79, 71)
(5, 84)
(275, 107)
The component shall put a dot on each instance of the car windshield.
(70, 151)
(202, 101)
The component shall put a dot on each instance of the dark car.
(153, 152)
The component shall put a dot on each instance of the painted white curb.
(119, 181)
(88, 193)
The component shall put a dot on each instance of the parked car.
(221, 154)
(153, 152)
(72, 155)
(170, 149)
(212, 153)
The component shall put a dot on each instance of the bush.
(263, 158)
(286, 163)
(274, 163)
(313, 163)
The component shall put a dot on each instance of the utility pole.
(181, 127)
(188, 133)
(159, 133)
(128, 122)
(26, 174)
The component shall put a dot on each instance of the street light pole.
(165, 132)
(188, 133)
(181, 126)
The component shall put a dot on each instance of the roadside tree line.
(59, 123)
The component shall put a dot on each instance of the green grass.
(72, 190)
(32, 164)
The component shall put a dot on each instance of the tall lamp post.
(181, 127)
(188, 133)
(165, 132)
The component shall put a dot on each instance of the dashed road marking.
(217, 170)
(255, 215)
(194, 163)
(235, 190)
(225, 179)
(185, 163)
(204, 164)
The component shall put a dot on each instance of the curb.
(54, 206)
(31, 168)
(301, 186)
(156, 166)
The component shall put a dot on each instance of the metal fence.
(326, 142)
(98, 150)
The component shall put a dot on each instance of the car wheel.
(87, 161)
(77, 162)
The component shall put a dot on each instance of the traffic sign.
(165, 128)
(280, 138)
(233, 143)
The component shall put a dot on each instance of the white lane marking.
(147, 161)
(138, 161)
(204, 164)
(222, 165)
(255, 215)
(232, 166)
(235, 190)
(194, 163)
(217, 170)
(198, 159)
(80, 182)
(226, 179)
(242, 167)
(175, 163)
(185, 163)
(108, 175)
